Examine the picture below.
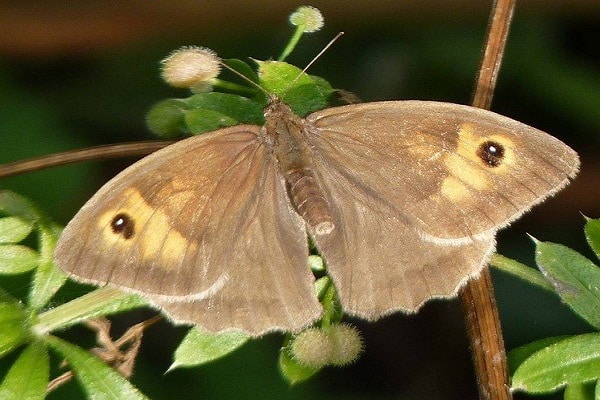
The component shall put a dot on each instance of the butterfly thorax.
(287, 133)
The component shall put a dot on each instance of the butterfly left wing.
(204, 229)
(418, 190)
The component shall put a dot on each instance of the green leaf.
(324, 86)
(203, 120)
(575, 278)
(165, 119)
(515, 268)
(98, 380)
(580, 392)
(571, 361)
(293, 371)
(520, 354)
(293, 86)
(28, 377)
(592, 234)
(14, 323)
(16, 259)
(14, 229)
(18, 206)
(210, 111)
(200, 347)
(315, 263)
(48, 278)
(242, 67)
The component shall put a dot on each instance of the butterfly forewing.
(421, 159)
(415, 200)
(211, 236)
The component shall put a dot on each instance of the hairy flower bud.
(309, 17)
(191, 67)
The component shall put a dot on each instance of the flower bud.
(346, 344)
(191, 67)
(309, 17)
(312, 348)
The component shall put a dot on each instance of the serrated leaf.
(580, 392)
(15, 324)
(16, 259)
(293, 86)
(292, 371)
(14, 229)
(18, 206)
(165, 118)
(520, 354)
(98, 380)
(200, 347)
(48, 278)
(28, 377)
(571, 361)
(575, 278)
(592, 234)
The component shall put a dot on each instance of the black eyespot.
(491, 153)
(122, 224)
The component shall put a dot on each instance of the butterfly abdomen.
(287, 132)
(308, 200)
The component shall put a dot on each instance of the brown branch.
(110, 351)
(91, 153)
(479, 305)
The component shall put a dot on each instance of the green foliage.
(200, 347)
(28, 376)
(573, 362)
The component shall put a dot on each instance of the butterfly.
(402, 199)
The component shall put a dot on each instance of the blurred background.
(76, 74)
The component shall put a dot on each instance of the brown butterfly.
(402, 198)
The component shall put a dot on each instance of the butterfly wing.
(417, 195)
(204, 229)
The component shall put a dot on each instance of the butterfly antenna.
(327, 46)
(244, 77)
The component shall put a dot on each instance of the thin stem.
(292, 43)
(73, 156)
(89, 305)
(479, 305)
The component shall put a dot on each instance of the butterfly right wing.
(213, 237)
(415, 207)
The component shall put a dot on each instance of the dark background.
(80, 74)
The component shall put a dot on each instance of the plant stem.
(103, 301)
(479, 305)
(87, 154)
(292, 43)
